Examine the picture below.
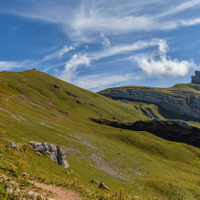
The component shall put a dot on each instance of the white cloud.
(163, 47)
(88, 23)
(58, 54)
(125, 48)
(85, 20)
(11, 65)
(97, 82)
(71, 66)
(183, 6)
(70, 71)
(105, 42)
(160, 64)
(190, 22)
(29, 64)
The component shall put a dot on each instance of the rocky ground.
(15, 190)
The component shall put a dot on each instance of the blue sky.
(97, 44)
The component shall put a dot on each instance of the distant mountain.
(181, 101)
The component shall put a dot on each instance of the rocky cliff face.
(173, 130)
(179, 101)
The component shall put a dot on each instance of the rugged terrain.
(180, 101)
(133, 163)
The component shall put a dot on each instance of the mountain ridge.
(183, 99)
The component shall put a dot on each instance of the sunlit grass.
(34, 110)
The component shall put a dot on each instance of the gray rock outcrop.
(54, 152)
(184, 103)
(101, 185)
(95, 181)
(71, 94)
(57, 87)
(12, 145)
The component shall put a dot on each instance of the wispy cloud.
(83, 60)
(105, 42)
(101, 81)
(88, 23)
(28, 64)
(12, 65)
(69, 71)
(120, 49)
(58, 54)
(190, 22)
(160, 64)
(178, 8)
(84, 20)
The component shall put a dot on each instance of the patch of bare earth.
(58, 193)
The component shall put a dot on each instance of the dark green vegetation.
(37, 107)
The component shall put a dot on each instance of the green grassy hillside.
(35, 106)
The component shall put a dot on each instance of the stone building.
(196, 78)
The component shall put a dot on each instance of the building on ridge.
(196, 78)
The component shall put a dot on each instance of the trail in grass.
(59, 193)
(11, 96)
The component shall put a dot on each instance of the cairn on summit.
(196, 78)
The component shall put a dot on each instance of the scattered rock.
(12, 145)
(39, 154)
(57, 87)
(25, 174)
(34, 196)
(15, 193)
(17, 189)
(95, 181)
(71, 95)
(54, 152)
(9, 189)
(29, 195)
(136, 197)
(79, 102)
(103, 186)
(149, 113)
(182, 124)
(9, 179)
(158, 121)
(136, 107)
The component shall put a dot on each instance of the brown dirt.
(59, 193)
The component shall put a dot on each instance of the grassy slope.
(143, 164)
